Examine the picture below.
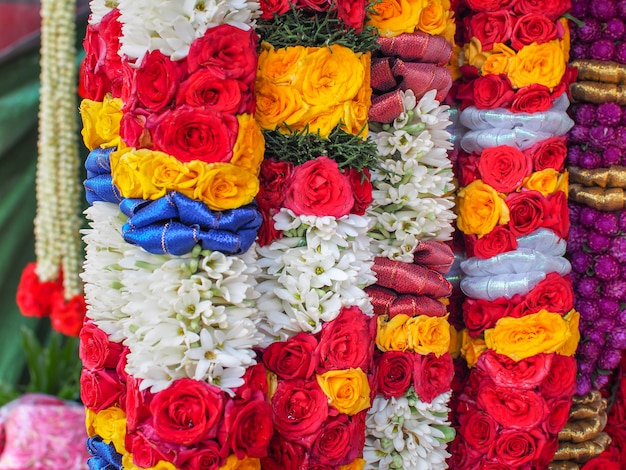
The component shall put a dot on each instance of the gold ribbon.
(612, 199)
(613, 177)
(583, 451)
(598, 93)
(600, 71)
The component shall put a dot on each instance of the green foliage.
(298, 147)
(53, 369)
(297, 27)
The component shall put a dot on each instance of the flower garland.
(521, 329)
(407, 426)
(170, 270)
(313, 95)
(51, 286)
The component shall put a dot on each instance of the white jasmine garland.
(170, 26)
(407, 433)
(412, 198)
(321, 265)
(99, 9)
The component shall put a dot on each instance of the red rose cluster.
(351, 13)
(41, 299)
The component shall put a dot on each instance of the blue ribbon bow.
(99, 183)
(105, 457)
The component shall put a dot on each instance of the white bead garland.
(57, 223)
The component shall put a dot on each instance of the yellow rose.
(280, 66)
(357, 464)
(433, 17)
(331, 75)
(127, 464)
(394, 17)
(250, 145)
(225, 186)
(569, 348)
(272, 384)
(125, 173)
(392, 335)
(565, 40)
(110, 425)
(473, 54)
(498, 61)
(247, 463)
(480, 208)
(101, 122)
(450, 30)
(453, 65)
(519, 338)
(277, 104)
(538, 63)
(456, 342)
(544, 181)
(322, 119)
(90, 416)
(348, 391)
(563, 183)
(471, 348)
(429, 334)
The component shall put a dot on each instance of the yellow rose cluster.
(480, 208)
(421, 334)
(348, 391)
(318, 87)
(394, 17)
(101, 122)
(547, 181)
(150, 174)
(543, 64)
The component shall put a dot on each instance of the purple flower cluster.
(603, 34)
(597, 250)
(598, 138)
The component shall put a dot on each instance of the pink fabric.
(40, 432)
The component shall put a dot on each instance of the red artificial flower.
(340, 441)
(145, 453)
(100, 389)
(556, 212)
(478, 430)
(205, 456)
(549, 153)
(518, 447)
(526, 374)
(526, 211)
(561, 381)
(499, 240)
(394, 373)
(559, 414)
(504, 168)
(490, 28)
(34, 298)
(552, 9)
(492, 91)
(283, 455)
(352, 13)
(432, 375)
(554, 294)
(532, 27)
(156, 81)
(532, 99)
(512, 408)
(96, 351)
(271, 8)
(480, 315)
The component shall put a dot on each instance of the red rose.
(133, 130)
(468, 168)
(526, 374)
(561, 381)
(314, 5)
(499, 240)
(526, 211)
(120, 367)
(299, 408)
(341, 440)
(247, 427)
(110, 30)
(493, 466)
(254, 379)
(480, 315)
(145, 453)
(532, 99)
(432, 375)
(512, 408)
(488, 5)
(346, 342)
(34, 298)
(295, 358)
(603, 462)
(94, 83)
(283, 455)
(550, 8)
(352, 13)
(270, 8)
(493, 91)
(462, 457)
(319, 188)
(272, 181)
(194, 134)
(559, 414)
(187, 412)
(516, 448)
(361, 183)
(229, 52)
(267, 233)
(157, 81)
(554, 294)
(532, 27)
(490, 28)
(99, 389)
(557, 214)
(479, 430)
(204, 88)
(205, 456)
(549, 153)
(67, 317)
(394, 373)
(96, 351)
(136, 404)
(504, 168)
